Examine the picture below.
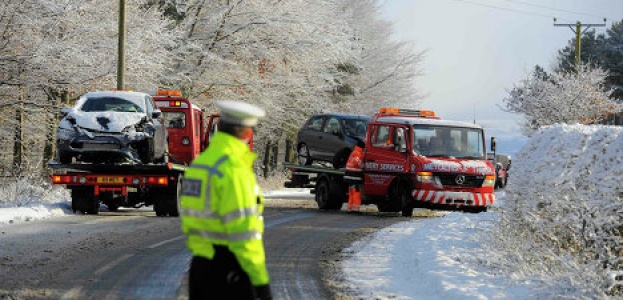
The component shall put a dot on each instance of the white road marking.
(73, 293)
(165, 242)
(112, 264)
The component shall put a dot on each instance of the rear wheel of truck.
(325, 198)
(83, 200)
(166, 200)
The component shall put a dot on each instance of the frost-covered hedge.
(562, 218)
(29, 190)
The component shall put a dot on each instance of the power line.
(506, 9)
(553, 8)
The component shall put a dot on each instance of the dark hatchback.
(330, 138)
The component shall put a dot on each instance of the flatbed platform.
(126, 169)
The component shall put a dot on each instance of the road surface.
(132, 254)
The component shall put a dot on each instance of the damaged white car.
(112, 127)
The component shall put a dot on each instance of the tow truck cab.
(414, 159)
(185, 124)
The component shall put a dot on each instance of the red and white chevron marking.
(446, 197)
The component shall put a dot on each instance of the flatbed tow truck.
(412, 159)
(136, 185)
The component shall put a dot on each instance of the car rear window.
(98, 104)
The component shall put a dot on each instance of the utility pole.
(578, 35)
(121, 47)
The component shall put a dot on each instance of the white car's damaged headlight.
(66, 133)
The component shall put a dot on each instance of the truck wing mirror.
(493, 144)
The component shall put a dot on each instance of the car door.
(330, 140)
(310, 134)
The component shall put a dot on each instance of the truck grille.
(451, 179)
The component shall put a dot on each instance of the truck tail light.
(58, 179)
(158, 180)
(489, 181)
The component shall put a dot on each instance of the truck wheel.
(304, 157)
(174, 199)
(325, 197)
(393, 201)
(81, 199)
(406, 200)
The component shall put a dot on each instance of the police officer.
(221, 212)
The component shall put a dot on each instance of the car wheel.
(64, 158)
(304, 157)
(340, 158)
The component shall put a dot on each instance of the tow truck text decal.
(384, 167)
(441, 166)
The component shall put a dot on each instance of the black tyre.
(340, 158)
(64, 158)
(112, 207)
(304, 157)
(406, 200)
(325, 197)
(393, 201)
(173, 207)
(83, 200)
(166, 200)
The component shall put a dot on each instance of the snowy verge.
(436, 258)
(562, 221)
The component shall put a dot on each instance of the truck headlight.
(425, 177)
(489, 181)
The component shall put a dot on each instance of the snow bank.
(436, 258)
(561, 223)
(27, 199)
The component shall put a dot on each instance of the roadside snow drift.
(562, 221)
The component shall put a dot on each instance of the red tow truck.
(412, 159)
(131, 185)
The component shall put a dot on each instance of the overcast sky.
(477, 50)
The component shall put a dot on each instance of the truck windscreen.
(446, 141)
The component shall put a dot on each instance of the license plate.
(109, 179)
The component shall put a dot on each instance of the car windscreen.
(447, 141)
(97, 104)
(355, 127)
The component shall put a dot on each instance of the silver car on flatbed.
(112, 127)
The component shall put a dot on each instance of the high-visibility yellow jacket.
(221, 204)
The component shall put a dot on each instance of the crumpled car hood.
(106, 121)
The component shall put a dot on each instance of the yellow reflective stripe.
(231, 237)
(228, 217)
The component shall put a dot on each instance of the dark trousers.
(219, 278)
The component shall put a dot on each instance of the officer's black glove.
(262, 292)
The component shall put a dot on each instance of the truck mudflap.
(454, 198)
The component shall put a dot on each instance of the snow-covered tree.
(385, 70)
(50, 48)
(564, 97)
